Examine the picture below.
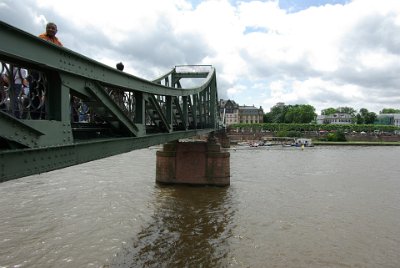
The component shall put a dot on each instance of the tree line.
(304, 127)
(305, 113)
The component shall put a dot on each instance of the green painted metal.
(23, 162)
(79, 110)
(98, 91)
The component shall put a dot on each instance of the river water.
(286, 207)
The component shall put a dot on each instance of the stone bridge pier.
(195, 163)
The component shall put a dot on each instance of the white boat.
(243, 143)
(254, 144)
(299, 142)
(266, 143)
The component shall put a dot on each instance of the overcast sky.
(326, 53)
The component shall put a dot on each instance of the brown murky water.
(286, 207)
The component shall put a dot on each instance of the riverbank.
(358, 143)
(352, 139)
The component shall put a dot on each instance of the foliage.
(365, 117)
(276, 114)
(290, 133)
(390, 111)
(282, 133)
(304, 113)
(267, 118)
(346, 110)
(328, 111)
(293, 133)
(340, 136)
(330, 137)
(299, 113)
(336, 136)
(275, 127)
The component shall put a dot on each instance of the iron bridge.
(59, 108)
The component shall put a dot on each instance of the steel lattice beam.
(122, 112)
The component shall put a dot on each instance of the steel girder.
(120, 112)
(23, 162)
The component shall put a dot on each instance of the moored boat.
(302, 142)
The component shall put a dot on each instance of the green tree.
(277, 114)
(365, 117)
(363, 112)
(370, 118)
(328, 111)
(389, 111)
(336, 136)
(267, 118)
(300, 113)
(346, 110)
(359, 119)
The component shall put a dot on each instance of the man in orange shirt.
(50, 34)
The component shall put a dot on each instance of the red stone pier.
(195, 163)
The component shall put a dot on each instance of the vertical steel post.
(139, 108)
(185, 111)
(195, 110)
(169, 111)
(213, 101)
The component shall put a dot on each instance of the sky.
(325, 53)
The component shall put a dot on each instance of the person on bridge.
(120, 66)
(17, 86)
(50, 34)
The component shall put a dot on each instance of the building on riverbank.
(336, 118)
(233, 113)
(388, 119)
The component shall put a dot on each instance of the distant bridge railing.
(59, 108)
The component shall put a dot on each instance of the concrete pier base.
(196, 163)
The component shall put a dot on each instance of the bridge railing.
(65, 100)
(22, 93)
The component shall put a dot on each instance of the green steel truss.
(77, 110)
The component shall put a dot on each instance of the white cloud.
(330, 55)
(235, 90)
(377, 59)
